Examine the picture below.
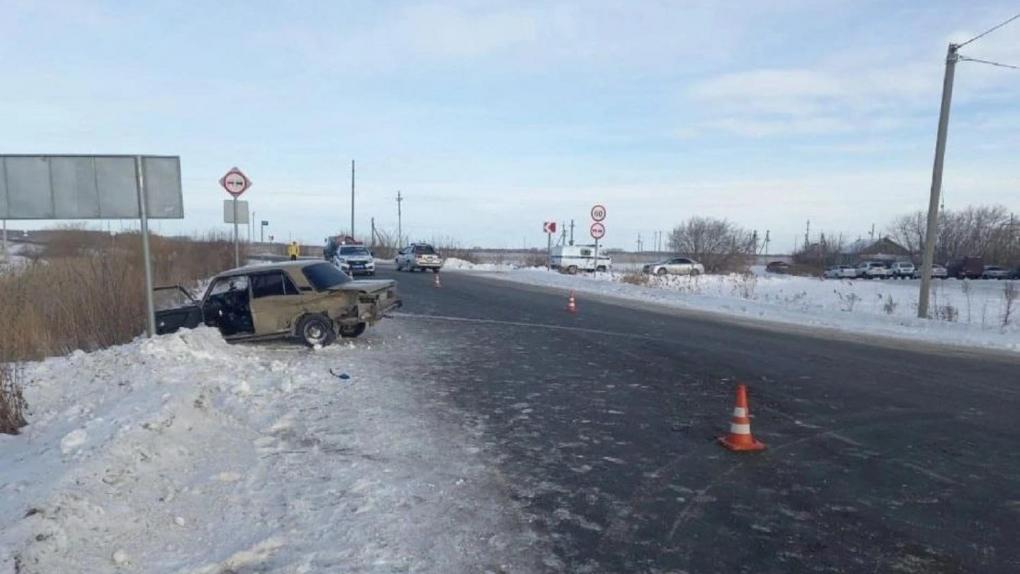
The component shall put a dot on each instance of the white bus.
(574, 258)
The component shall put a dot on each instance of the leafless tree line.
(986, 231)
(718, 244)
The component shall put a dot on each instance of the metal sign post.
(550, 229)
(236, 183)
(598, 230)
(143, 216)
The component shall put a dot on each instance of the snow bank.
(456, 264)
(969, 313)
(185, 454)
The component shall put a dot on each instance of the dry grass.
(636, 278)
(87, 290)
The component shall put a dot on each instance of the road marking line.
(523, 324)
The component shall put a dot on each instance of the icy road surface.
(185, 454)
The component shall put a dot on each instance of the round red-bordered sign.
(598, 231)
(598, 212)
(235, 182)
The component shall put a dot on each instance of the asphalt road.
(603, 425)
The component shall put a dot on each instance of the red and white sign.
(549, 227)
(235, 182)
(598, 231)
(598, 213)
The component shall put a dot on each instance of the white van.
(574, 258)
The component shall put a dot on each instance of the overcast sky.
(492, 117)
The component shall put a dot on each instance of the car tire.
(661, 271)
(435, 270)
(572, 270)
(316, 330)
(695, 272)
(352, 331)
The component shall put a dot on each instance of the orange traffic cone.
(571, 303)
(435, 282)
(739, 438)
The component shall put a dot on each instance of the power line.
(968, 59)
(988, 31)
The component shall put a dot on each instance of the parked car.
(674, 266)
(311, 301)
(573, 258)
(840, 272)
(873, 270)
(937, 272)
(778, 267)
(902, 270)
(354, 260)
(966, 268)
(996, 272)
(419, 256)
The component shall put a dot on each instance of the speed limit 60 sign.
(598, 213)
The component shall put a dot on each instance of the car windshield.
(354, 250)
(324, 276)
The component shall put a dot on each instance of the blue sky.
(492, 117)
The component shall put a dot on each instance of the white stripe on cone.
(737, 428)
(739, 412)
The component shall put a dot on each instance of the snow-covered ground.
(17, 256)
(969, 313)
(185, 454)
(456, 264)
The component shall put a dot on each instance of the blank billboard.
(88, 187)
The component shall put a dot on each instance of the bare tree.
(987, 231)
(716, 243)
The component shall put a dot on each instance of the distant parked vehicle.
(778, 267)
(675, 266)
(419, 256)
(902, 270)
(573, 258)
(966, 268)
(996, 272)
(937, 272)
(873, 270)
(840, 272)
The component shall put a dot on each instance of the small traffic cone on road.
(739, 438)
(571, 303)
(435, 282)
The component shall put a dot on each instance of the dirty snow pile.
(185, 454)
(967, 313)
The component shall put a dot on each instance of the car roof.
(270, 266)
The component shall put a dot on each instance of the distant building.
(885, 249)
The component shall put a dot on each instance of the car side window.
(586, 253)
(272, 284)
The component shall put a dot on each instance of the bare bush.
(848, 301)
(12, 401)
(721, 246)
(987, 231)
(1010, 293)
(889, 305)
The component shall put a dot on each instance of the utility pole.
(400, 230)
(767, 239)
(807, 235)
(936, 181)
(571, 231)
(871, 234)
(563, 233)
(372, 240)
(5, 241)
(639, 243)
(352, 199)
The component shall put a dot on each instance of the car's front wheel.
(695, 272)
(316, 330)
(351, 331)
(661, 271)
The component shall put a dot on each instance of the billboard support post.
(150, 310)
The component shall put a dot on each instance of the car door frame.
(277, 321)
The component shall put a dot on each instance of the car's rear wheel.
(572, 270)
(695, 272)
(661, 271)
(351, 331)
(316, 330)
